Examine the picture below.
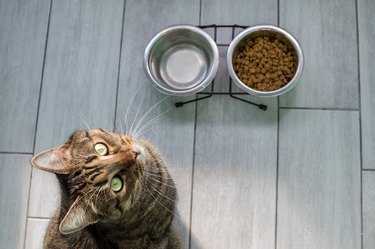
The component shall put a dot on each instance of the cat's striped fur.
(91, 214)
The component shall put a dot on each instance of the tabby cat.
(115, 193)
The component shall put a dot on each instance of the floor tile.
(23, 29)
(36, 229)
(239, 12)
(327, 33)
(44, 194)
(366, 32)
(14, 190)
(234, 185)
(234, 190)
(319, 180)
(368, 197)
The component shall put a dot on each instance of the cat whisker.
(149, 180)
(172, 170)
(102, 188)
(136, 114)
(98, 193)
(167, 185)
(90, 192)
(149, 173)
(142, 182)
(149, 133)
(160, 193)
(143, 133)
(160, 173)
(149, 123)
(83, 121)
(148, 112)
(162, 178)
(126, 117)
(161, 204)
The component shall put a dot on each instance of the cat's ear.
(78, 217)
(53, 160)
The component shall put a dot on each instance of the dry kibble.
(265, 63)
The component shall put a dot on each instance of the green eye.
(116, 184)
(101, 149)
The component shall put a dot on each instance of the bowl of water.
(181, 60)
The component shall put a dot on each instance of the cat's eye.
(116, 184)
(101, 149)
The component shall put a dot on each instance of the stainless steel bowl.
(273, 32)
(181, 60)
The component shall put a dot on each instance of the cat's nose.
(136, 153)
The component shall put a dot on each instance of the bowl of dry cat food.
(181, 60)
(265, 60)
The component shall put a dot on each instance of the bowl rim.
(192, 90)
(279, 30)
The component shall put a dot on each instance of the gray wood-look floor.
(298, 176)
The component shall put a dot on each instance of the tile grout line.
(319, 109)
(278, 12)
(192, 174)
(360, 124)
(39, 218)
(200, 12)
(42, 75)
(16, 153)
(194, 149)
(37, 117)
(368, 170)
(277, 147)
(119, 66)
(277, 170)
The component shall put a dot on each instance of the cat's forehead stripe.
(88, 136)
(104, 131)
(108, 138)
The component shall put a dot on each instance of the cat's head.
(102, 173)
